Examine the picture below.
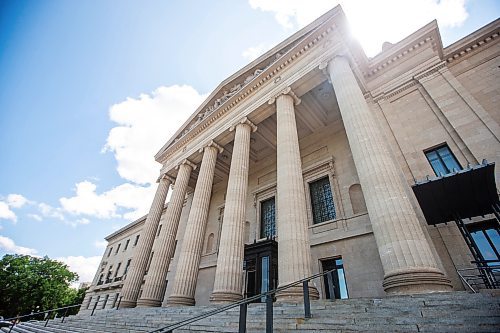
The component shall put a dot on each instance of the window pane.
(437, 165)
(448, 159)
(494, 238)
(483, 245)
(342, 284)
(267, 218)
(322, 200)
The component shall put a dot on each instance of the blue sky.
(90, 90)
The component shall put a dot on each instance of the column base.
(148, 302)
(127, 304)
(416, 281)
(177, 300)
(225, 297)
(296, 294)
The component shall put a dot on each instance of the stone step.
(450, 312)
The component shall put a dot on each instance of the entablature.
(291, 70)
(238, 88)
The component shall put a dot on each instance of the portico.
(298, 146)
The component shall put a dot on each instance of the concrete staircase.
(444, 312)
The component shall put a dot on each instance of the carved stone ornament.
(244, 120)
(286, 91)
(227, 94)
(212, 144)
(188, 162)
(165, 176)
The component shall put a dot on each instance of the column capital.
(212, 143)
(287, 91)
(246, 121)
(165, 176)
(186, 162)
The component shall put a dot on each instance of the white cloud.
(8, 245)
(6, 213)
(35, 217)
(254, 52)
(372, 22)
(16, 200)
(49, 211)
(133, 198)
(85, 267)
(145, 124)
(100, 244)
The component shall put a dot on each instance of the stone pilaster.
(407, 260)
(229, 273)
(154, 287)
(186, 275)
(294, 251)
(137, 268)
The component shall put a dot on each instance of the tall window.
(127, 266)
(117, 269)
(118, 248)
(126, 245)
(323, 208)
(267, 218)
(442, 160)
(110, 250)
(136, 239)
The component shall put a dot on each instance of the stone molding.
(466, 50)
(286, 91)
(398, 57)
(423, 75)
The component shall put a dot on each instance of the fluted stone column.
(137, 268)
(154, 287)
(229, 273)
(408, 263)
(186, 275)
(294, 251)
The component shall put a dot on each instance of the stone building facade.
(315, 146)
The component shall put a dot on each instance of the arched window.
(210, 243)
(357, 199)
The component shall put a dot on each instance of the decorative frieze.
(240, 91)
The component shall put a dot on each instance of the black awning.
(467, 193)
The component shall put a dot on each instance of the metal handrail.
(15, 320)
(246, 301)
(485, 270)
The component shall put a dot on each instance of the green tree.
(34, 284)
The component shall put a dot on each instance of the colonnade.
(408, 263)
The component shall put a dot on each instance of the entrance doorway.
(261, 267)
(335, 282)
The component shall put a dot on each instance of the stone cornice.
(126, 228)
(405, 48)
(411, 82)
(287, 91)
(243, 90)
(467, 45)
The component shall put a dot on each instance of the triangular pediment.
(244, 77)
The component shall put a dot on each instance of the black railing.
(46, 315)
(486, 275)
(243, 304)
